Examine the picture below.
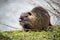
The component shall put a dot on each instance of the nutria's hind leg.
(46, 28)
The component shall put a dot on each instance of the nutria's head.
(27, 19)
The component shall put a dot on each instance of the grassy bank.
(52, 34)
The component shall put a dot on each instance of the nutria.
(37, 19)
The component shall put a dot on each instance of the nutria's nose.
(20, 19)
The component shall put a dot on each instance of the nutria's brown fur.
(37, 19)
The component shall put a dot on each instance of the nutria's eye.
(29, 13)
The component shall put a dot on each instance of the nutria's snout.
(22, 18)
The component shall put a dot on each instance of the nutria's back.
(38, 19)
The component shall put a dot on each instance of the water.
(10, 11)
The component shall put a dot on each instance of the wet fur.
(37, 19)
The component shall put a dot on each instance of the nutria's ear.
(29, 13)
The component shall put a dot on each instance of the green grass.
(52, 34)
